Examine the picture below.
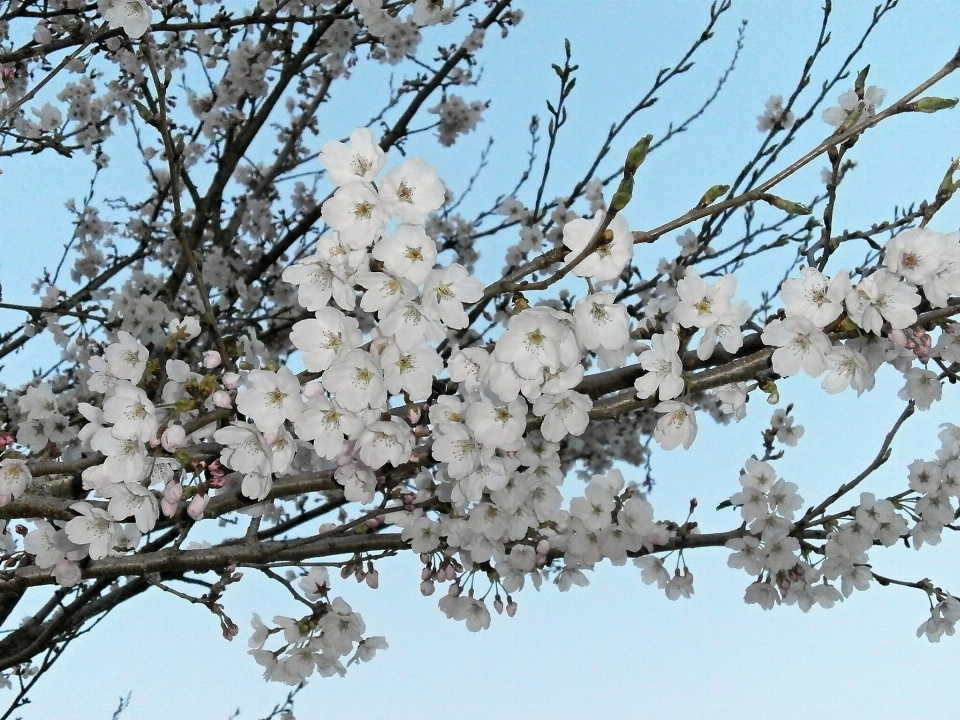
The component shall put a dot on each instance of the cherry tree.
(293, 356)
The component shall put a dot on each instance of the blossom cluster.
(462, 439)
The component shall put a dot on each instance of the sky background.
(617, 647)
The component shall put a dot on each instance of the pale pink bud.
(313, 388)
(172, 493)
(899, 338)
(372, 522)
(197, 505)
(153, 442)
(221, 398)
(345, 572)
(426, 573)
(328, 527)
(498, 605)
(231, 380)
(543, 547)
(414, 416)
(454, 590)
(373, 580)
(427, 588)
(173, 438)
(271, 438)
(511, 608)
(211, 359)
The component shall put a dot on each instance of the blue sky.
(617, 647)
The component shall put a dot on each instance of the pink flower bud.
(511, 608)
(373, 580)
(498, 605)
(197, 505)
(172, 492)
(426, 573)
(899, 338)
(173, 438)
(231, 380)
(313, 388)
(414, 416)
(221, 398)
(372, 522)
(345, 572)
(427, 588)
(543, 547)
(211, 359)
(328, 527)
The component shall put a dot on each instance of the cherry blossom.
(132, 16)
(613, 252)
(361, 160)
(663, 366)
(677, 426)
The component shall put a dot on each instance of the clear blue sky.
(617, 647)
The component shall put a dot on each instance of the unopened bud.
(313, 388)
(211, 359)
(173, 438)
(221, 398)
(788, 206)
(197, 505)
(932, 104)
(710, 196)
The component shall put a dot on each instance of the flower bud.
(221, 398)
(173, 438)
(197, 505)
(231, 380)
(211, 359)
(427, 588)
(313, 388)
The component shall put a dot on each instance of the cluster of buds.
(914, 338)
